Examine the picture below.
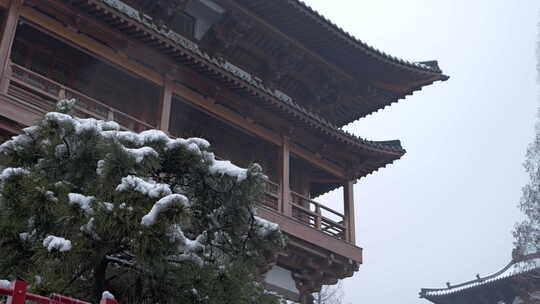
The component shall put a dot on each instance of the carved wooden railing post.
(6, 78)
(348, 201)
(318, 219)
(6, 41)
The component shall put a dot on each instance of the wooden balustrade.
(271, 195)
(42, 92)
(307, 211)
(318, 216)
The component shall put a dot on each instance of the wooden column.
(166, 103)
(6, 41)
(284, 172)
(348, 200)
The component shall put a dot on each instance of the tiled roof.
(429, 66)
(329, 31)
(226, 71)
(326, 40)
(513, 269)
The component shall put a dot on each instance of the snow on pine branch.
(82, 201)
(265, 227)
(141, 153)
(225, 167)
(187, 245)
(107, 295)
(53, 242)
(19, 142)
(149, 188)
(80, 125)
(163, 205)
(9, 172)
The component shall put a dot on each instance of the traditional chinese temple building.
(270, 82)
(519, 279)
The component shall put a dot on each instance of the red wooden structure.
(17, 295)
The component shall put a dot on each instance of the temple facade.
(517, 283)
(271, 82)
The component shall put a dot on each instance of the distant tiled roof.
(513, 269)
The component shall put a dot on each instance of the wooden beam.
(64, 12)
(321, 163)
(19, 112)
(9, 28)
(348, 200)
(166, 102)
(84, 42)
(284, 174)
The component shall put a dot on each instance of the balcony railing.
(42, 92)
(271, 196)
(318, 216)
(306, 211)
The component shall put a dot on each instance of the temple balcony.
(32, 94)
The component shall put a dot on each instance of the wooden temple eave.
(201, 62)
(406, 88)
(294, 14)
(314, 33)
(123, 59)
(59, 29)
(340, 102)
(288, 44)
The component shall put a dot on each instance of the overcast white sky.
(445, 211)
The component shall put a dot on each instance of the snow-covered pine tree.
(527, 233)
(86, 207)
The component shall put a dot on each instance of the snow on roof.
(514, 268)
